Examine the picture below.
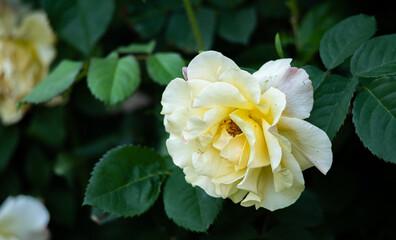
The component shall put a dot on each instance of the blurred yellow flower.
(242, 136)
(26, 51)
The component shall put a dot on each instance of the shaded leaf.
(316, 75)
(331, 103)
(344, 38)
(237, 27)
(146, 48)
(126, 181)
(376, 57)
(374, 116)
(8, 142)
(189, 207)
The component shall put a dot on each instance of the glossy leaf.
(126, 181)
(374, 116)
(377, 57)
(189, 207)
(164, 67)
(113, 80)
(331, 103)
(146, 48)
(60, 79)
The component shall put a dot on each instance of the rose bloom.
(242, 136)
(23, 218)
(26, 51)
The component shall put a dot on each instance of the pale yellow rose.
(242, 136)
(26, 51)
(23, 218)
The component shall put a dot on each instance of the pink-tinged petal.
(209, 65)
(184, 70)
(299, 93)
(272, 72)
(309, 143)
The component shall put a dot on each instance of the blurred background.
(51, 151)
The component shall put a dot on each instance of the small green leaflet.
(145, 48)
(57, 82)
(113, 80)
(126, 181)
(164, 67)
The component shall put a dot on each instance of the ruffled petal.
(180, 151)
(176, 95)
(220, 94)
(309, 143)
(203, 182)
(209, 65)
(274, 148)
(210, 164)
(259, 155)
(275, 102)
(245, 82)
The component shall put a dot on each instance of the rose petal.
(181, 152)
(176, 95)
(209, 65)
(310, 145)
(203, 182)
(272, 72)
(274, 148)
(246, 83)
(220, 94)
(259, 155)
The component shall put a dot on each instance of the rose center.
(232, 128)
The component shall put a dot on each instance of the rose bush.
(242, 136)
(26, 52)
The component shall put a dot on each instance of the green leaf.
(331, 103)
(180, 34)
(237, 27)
(314, 24)
(164, 67)
(374, 116)
(316, 75)
(306, 212)
(148, 23)
(60, 79)
(113, 80)
(189, 207)
(126, 181)
(343, 39)
(145, 48)
(8, 142)
(48, 126)
(80, 23)
(376, 57)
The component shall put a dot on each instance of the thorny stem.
(194, 24)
